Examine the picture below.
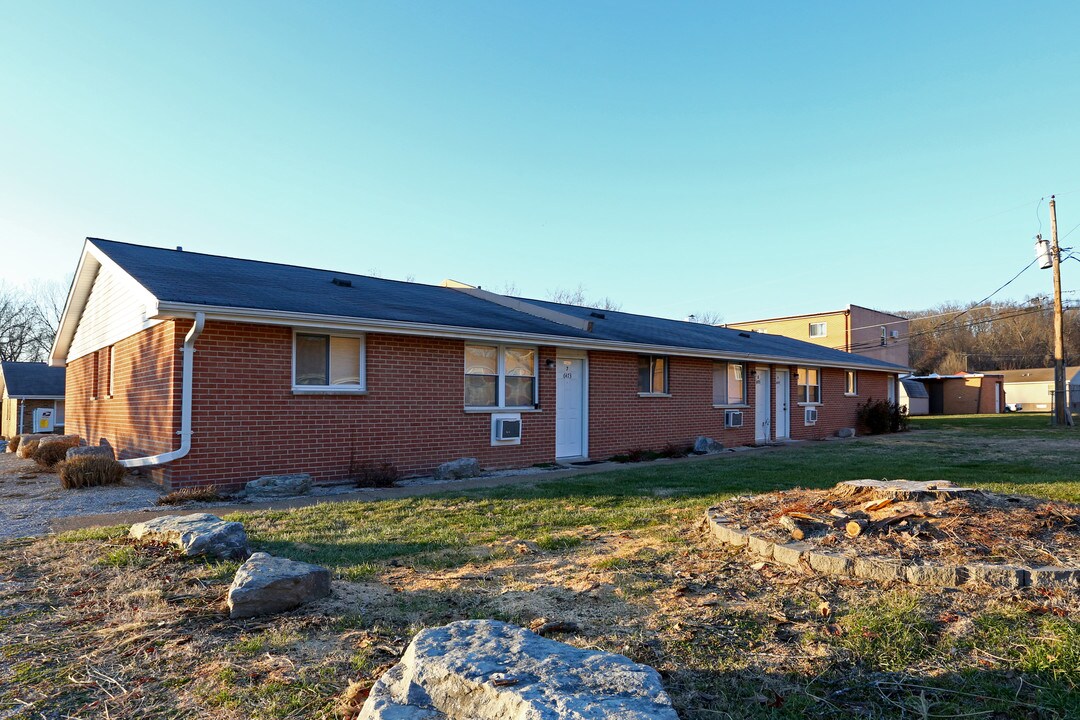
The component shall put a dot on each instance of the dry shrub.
(191, 494)
(27, 448)
(13, 443)
(89, 471)
(368, 474)
(49, 454)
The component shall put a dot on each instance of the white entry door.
(570, 408)
(763, 406)
(783, 399)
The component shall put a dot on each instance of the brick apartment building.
(216, 370)
(855, 329)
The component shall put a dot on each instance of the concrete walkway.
(78, 522)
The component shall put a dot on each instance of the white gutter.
(185, 403)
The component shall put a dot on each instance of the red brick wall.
(247, 422)
(620, 420)
(837, 409)
(143, 414)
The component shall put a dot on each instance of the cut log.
(788, 523)
(838, 513)
(855, 528)
(885, 522)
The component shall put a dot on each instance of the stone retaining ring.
(868, 567)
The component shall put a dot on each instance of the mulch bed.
(972, 526)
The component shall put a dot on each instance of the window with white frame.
(652, 374)
(500, 376)
(809, 385)
(851, 383)
(818, 329)
(328, 361)
(729, 383)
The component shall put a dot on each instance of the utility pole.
(1062, 411)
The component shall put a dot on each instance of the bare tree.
(708, 317)
(577, 297)
(29, 319)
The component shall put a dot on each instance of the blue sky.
(744, 159)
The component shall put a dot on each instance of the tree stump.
(900, 490)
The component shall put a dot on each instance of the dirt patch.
(944, 528)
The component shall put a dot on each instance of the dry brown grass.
(89, 471)
(50, 455)
(191, 494)
(101, 627)
(13, 443)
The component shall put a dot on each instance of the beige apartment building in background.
(855, 329)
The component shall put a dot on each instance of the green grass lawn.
(1017, 453)
(618, 552)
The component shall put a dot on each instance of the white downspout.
(185, 404)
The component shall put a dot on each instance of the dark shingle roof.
(31, 379)
(210, 280)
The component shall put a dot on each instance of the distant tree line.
(1008, 335)
(29, 317)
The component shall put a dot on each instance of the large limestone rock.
(489, 670)
(196, 534)
(707, 446)
(91, 451)
(265, 585)
(272, 486)
(28, 443)
(458, 469)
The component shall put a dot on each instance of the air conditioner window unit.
(507, 429)
(811, 416)
(733, 418)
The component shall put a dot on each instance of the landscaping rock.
(761, 546)
(488, 670)
(878, 569)
(1053, 576)
(69, 440)
(845, 433)
(458, 469)
(731, 535)
(707, 446)
(271, 486)
(936, 575)
(196, 534)
(28, 444)
(91, 451)
(1007, 576)
(265, 585)
(829, 563)
(790, 553)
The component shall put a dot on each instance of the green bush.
(368, 474)
(881, 416)
(89, 471)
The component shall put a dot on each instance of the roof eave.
(166, 310)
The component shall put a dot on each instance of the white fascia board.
(167, 310)
(33, 397)
(79, 291)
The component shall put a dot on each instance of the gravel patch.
(30, 498)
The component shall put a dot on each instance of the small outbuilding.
(963, 393)
(25, 388)
(914, 395)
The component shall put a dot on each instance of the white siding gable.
(115, 309)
